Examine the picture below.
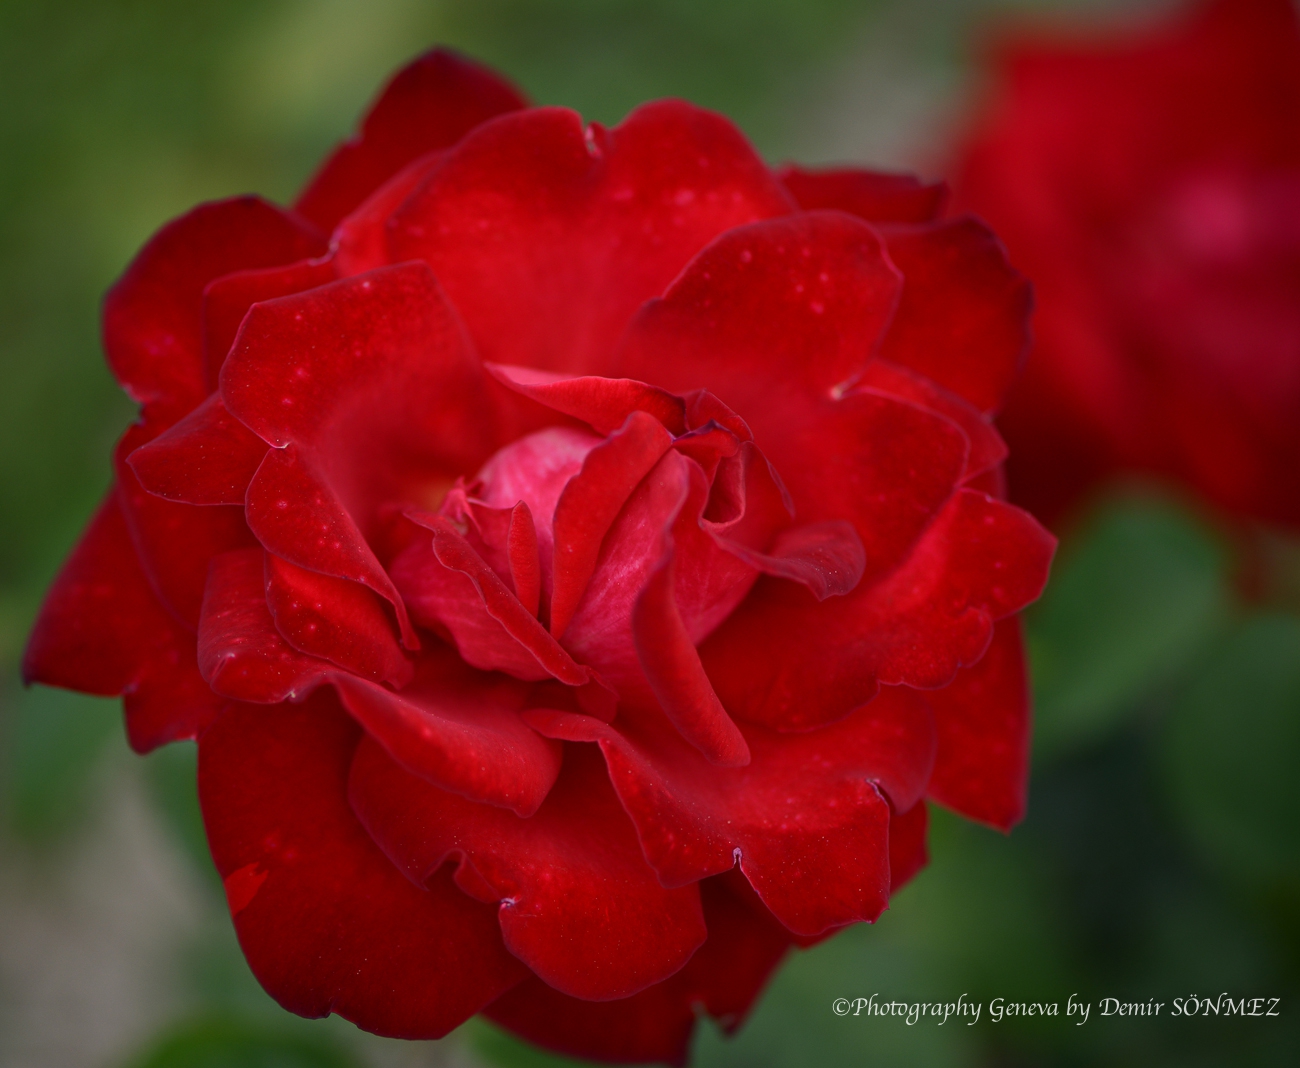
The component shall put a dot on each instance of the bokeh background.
(1161, 855)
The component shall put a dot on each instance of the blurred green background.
(1161, 856)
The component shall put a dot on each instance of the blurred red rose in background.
(576, 570)
(1149, 184)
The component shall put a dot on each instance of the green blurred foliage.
(232, 1043)
(1232, 755)
(52, 739)
(1134, 596)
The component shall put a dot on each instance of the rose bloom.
(1149, 183)
(577, 553)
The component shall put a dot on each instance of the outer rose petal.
(805, 819)
(870, 195)
(453, 726)
(226, 301)
(579, 905)
(982, 717)
(101, 630)
(781, 310)
(355, 424)
(336, 620)
(963, 320)
(907, 847)
(813, 293)
(987, 449)
(432, 103)
(153, 314)
(241, 654)
(724, 977)
(209, 457)
(174, 541)
(548, 237)
(326, 922)
(788, 661)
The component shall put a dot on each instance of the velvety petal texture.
(578, 569)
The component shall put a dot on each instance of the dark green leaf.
(53, 738)
(1232, 752)
(1133, 598)
(231, 1043)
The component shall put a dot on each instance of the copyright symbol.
(840, 1006)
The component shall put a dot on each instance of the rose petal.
(456, 728)
(982, 716)
(673, 669)
(209, 457)
(788, 661)
(871, 195)
(226, 301)
(805, 820)
(326, 922)
(778, 311)
(745, 312)
(663, 513)
(453, 586)
(174, 541)
(356, 423)
(724, 977)
(591, 500)
(548, 237)
(294, 512)
(602, 403)
(101, 630)
(374, 368)
(241, 654)
(360, 240)
(153, 314)
(459, 730)
(579, 905)
(963, 320)
(908, 853)
(335, 620)
(987, 450)
(430, 104)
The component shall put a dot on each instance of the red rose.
(575, 571)
(1150, 185)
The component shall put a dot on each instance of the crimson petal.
(673, 669)
(209, 457)
(982, 766)
(987, 448)
(226, 301)
(153, 314)
(724, 977)
(793, 663)
(325, 920)
(456, 728)
(590, 502)
(579, 905)
(174, 541)
(871, 195)
(430, 104)
(779, 310)
(101, 630)
(805, 819)
(336, 620)
(602, 403)
(548, 237)
(963, 320)
(451, 587)
(241, 654)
